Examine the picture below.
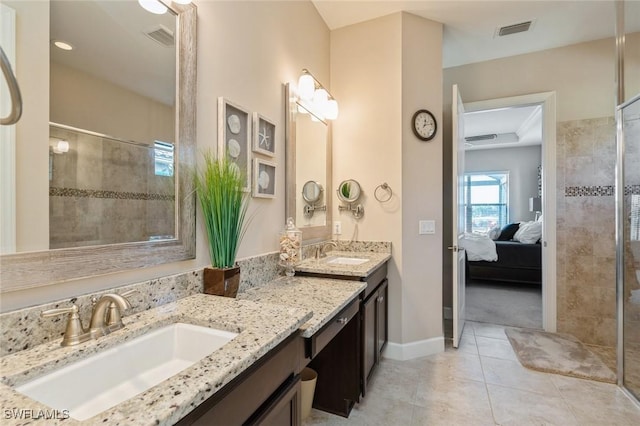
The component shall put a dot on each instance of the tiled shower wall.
(103, 191)
(586, 157)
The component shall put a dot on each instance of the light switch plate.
(427, 227)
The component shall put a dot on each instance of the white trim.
(548, 102)
(8, 142)
(407, 351)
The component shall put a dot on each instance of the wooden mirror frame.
(42, 268)
(310, 234)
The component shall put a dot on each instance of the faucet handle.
(74, 333)
(114, 316)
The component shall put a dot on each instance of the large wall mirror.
(118, 143)
(308, 180)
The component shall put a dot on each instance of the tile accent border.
(98, 193)
(598, 191)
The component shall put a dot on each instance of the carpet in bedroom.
(504, 304)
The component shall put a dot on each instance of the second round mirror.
(349, 191)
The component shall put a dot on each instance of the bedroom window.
(487, 201)
(163, 158)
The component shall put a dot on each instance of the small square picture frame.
(234, 134)
(264, 178)
(264, 135)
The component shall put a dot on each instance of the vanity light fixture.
(313, 96)
(62, 45)
(153, 6)
(182, 1)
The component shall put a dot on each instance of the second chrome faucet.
(106, 317)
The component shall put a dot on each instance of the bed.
(515, 256)
(517, 263)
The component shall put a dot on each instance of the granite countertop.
(321, 266)
(261, 327)
(325, 297)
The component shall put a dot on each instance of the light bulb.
(153, 6)
(182, 1)
(306, 86)
(61, 147)
(331, 110)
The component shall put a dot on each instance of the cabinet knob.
(342, 320)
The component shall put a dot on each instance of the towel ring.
(381, 197)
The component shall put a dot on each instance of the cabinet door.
(369, 337)
(284, 410)
(382, 310)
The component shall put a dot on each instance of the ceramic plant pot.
(222, 282)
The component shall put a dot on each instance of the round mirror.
(311, 192)
(349, 191)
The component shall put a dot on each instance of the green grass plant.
(220, 188)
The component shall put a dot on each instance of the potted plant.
(219, 185)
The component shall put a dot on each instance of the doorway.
(499, 295)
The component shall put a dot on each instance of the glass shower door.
(629, 137)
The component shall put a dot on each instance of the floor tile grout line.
(484, 378)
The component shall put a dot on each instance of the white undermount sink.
(97, 383)
(346, 261)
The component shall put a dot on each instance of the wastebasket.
(308, 378)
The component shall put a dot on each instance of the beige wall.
(381, 72)
(246, 51)
(366, 79)
(32, 131)
(421, 181)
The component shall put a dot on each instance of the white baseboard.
(407, 351)
(447, 313)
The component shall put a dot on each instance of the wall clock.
(424, 125)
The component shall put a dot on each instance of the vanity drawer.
(318, 341)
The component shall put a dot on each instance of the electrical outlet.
(337, 228)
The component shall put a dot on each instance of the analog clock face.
(424, 125)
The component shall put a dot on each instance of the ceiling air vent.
(515, 28)
(161, 35)
(481, 138)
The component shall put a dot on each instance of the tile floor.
(481, 383)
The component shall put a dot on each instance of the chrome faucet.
(107, 314)
(320, 249)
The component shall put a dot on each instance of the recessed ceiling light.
(153, 6)
(62, 45)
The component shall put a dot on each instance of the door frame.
(548, 102)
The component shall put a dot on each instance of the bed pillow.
(494, 233)
(508, 231)
(529, 232)
(479, 247)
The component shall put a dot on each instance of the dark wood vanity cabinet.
(334, 353)
(374, 330)
(267, 393)
(373, 313)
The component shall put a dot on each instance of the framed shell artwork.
(234, 133)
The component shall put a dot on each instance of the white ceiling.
(469, 26)
(513, 127)
(110, 44)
